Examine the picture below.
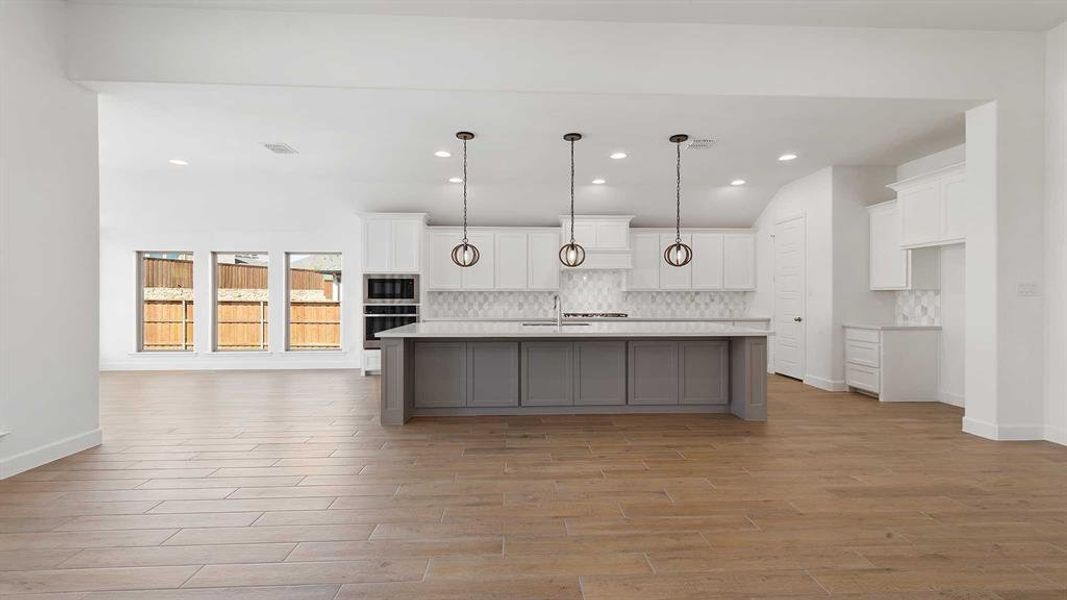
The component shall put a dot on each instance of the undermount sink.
(553, 324)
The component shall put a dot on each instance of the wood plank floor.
(281, 486)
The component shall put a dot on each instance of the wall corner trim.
(49, 452)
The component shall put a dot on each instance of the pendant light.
(572, 254)
(465, 254)
(678, 254)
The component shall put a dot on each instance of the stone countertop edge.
(508, 330)
(593, 319)
(891, 327)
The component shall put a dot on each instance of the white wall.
(48, 244)
(1055, 234)
(185, 210)
(1005, 70)
(953, 337)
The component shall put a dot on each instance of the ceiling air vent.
(280, 148)
(698, 143)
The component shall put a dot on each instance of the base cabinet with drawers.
(593, 373)
(895, 363)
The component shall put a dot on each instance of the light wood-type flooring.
(282, 486)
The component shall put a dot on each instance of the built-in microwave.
(390, 289)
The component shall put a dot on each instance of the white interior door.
(789, 291)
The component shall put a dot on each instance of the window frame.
(139, 302)
(265, 347)
(289, 314)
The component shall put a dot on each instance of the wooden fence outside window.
(242, 325)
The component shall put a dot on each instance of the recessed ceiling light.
(599, 182)
(455, 180)
(787, 156)
(179, 162)
(738, 182)
(442, 154)
(618, 155)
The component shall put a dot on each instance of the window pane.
(314, 301)
(241, 301)
(166, 301)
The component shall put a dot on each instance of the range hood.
(606, 239)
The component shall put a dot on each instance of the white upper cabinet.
(739, 261)
(722, 260)
(647, 256)
(442, 273)
(392, 242)
(931, 208)
(511, 258)
(542, 263)
(707, 261)
(891, 266)
(671, 277)
(480, 275)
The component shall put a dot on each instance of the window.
(166, 294)
(241, 308)
(314, 301)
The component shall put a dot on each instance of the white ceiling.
(377, 145)
(1019, 15)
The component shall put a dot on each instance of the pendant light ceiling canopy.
(465, 254)
(678, 254)
(572, 254)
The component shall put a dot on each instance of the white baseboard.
(994, 431)
(1056, 435)
(829, 385)
(49, 452)
(950, 398)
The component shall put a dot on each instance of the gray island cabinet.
(493, 368)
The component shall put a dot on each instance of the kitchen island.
(511, 368)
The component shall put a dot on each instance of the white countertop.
(597, 319)
(891, 327)
(615, 329)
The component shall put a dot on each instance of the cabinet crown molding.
(922, 178)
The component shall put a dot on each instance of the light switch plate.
(1028, 289)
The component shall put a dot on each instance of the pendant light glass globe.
(572, 254)
(678, 254)
(465, 254)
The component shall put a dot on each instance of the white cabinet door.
(406, 246)
(888, 263)
(377, 246)
(707, 262)
(479, 276)
(920, 214)
(644, 275)
(739, 261)
(509, 260)
(953, 199)
(543, 264)
(442, 273)
(671, 277)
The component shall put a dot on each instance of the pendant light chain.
(678, 193)
(572, 191)
(464, 191)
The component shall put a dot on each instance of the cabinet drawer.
(864, 378)
(863, 353)
(863, 335)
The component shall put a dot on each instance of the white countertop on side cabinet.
(594, 329)
(599, 319)
(891, 327)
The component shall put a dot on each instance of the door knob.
(797, 319)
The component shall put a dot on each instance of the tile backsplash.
(918, 307)
(587, 291)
